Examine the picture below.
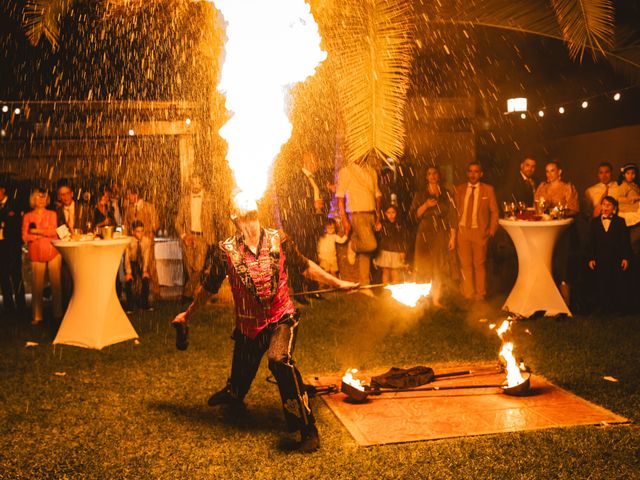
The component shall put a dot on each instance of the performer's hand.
(432, 202)
(345, 285)
(378, 226)
(592, 264)
(180, 318)
(624, 264)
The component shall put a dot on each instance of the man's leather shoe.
(224, 397)
(310, 441)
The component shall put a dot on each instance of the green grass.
(139, 411)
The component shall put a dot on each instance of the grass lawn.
(139, 411)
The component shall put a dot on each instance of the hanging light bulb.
(188, 121)
(5, 108)
(561, 110)
(541, 113)
(523, 116)
(617, 96)
(585, 104)
(17, 111)
(131, 132)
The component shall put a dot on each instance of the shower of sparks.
(270, 46)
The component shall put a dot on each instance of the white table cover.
(535, 289)
(94, 318)
(168, 253)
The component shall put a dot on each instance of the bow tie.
(607, 218)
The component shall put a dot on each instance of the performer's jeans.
(278, 341)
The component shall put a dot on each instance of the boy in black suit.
(609, 256)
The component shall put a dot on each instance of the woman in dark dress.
(103, 211)
(435, 215)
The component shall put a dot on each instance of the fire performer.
(256, 260)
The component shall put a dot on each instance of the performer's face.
(249, 226)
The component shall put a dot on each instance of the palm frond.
(374, 48)
(581, 24)
(43, 18)
(585, 24)
(625, 57)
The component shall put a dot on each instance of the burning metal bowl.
(520, 390)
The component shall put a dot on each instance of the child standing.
(137, 268)
(392, 247)
(609, 255)
(327, 256)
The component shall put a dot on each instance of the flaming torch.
(409, 293)
(270, 46)
(516, 383)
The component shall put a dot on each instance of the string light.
(5, 108)
(523, 115)
(17, 111)
(612, 95)
(131, 132)
(188, 121)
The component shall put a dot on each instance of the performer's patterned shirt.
(258, 282)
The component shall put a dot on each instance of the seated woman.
(103, 210)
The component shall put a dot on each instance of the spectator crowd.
(363, 224)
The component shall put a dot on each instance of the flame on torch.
(514, 375)
(409, 293)
(270, 46)
(354, 382)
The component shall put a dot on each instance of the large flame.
(514, 375)
(409, 293)
(270, 46)
(351, 380)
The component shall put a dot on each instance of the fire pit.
(358, 392)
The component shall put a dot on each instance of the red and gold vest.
(258, 282)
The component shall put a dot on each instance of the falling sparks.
(409, 293)
(270, 46)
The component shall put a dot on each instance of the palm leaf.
(585, 24)
(42, 18)
(373, 44)
(581, 24)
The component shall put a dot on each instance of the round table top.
(534, 223)
(97, 242)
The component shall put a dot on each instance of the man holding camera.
(257, 261)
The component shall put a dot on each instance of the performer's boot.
(310, 441)
(225, 397)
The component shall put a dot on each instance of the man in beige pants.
(359, 195)
(195, 226)
(477, 222)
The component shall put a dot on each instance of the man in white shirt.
(359, 202)
(197, 230)
(595, 193)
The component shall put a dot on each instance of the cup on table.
(107, 232)
(76, 234)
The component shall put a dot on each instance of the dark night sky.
(97, 61)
